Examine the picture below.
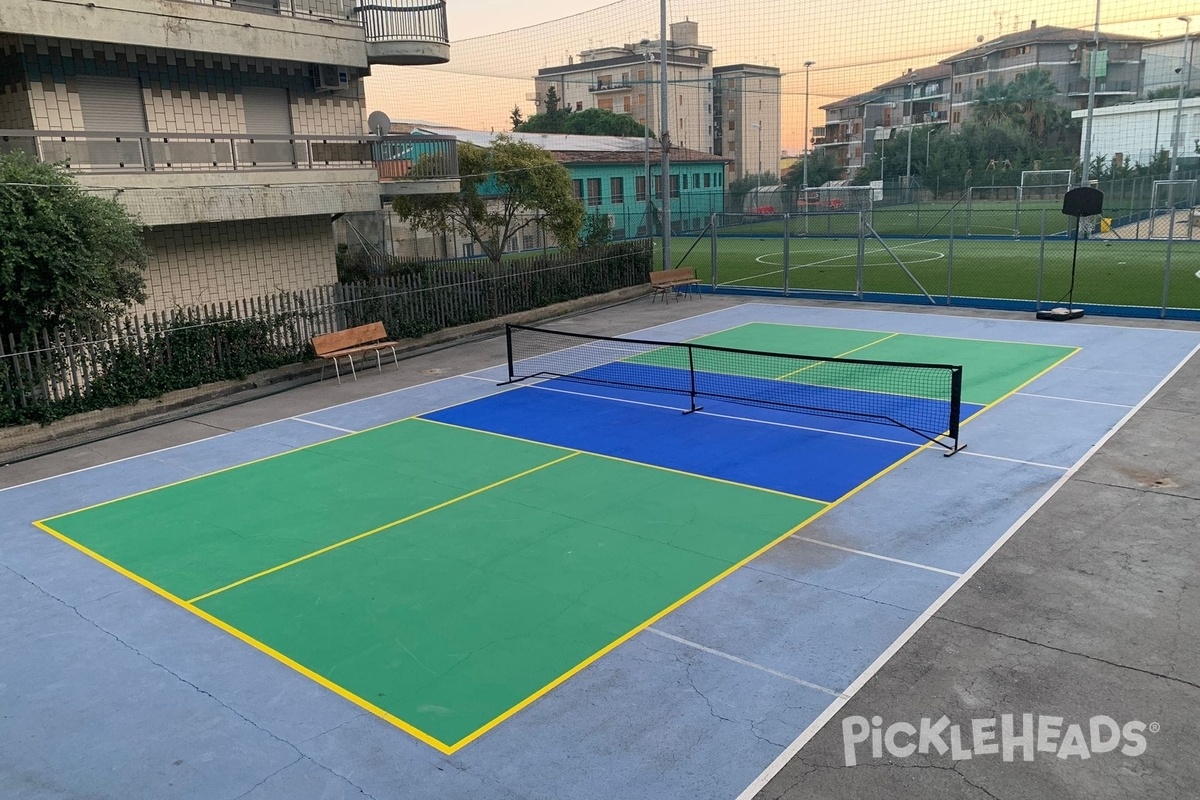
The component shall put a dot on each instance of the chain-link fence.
(969, 252)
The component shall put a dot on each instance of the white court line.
(321, 425)
(1072, 399)
(876, 555)
(815, 726)
(824, 261)
(477, 378)
(328, 408)
(1006, 458)
(697, 646)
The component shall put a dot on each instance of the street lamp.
(912, 90)
(807, 130)
(1183, 69)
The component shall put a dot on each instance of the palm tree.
(993, 104)
(1032, 92)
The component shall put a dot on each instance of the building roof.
(854, 100)
(745, 68)
(919, 75)
(1044, 35)
(567, 147)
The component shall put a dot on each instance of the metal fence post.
(858, 280)
(950, 262)
(712, 248)
(787, 254)
(1041, 263)
(1167, 266)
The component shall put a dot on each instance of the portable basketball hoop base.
(1060, 314)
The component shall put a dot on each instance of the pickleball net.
(925, 399)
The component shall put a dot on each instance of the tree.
(821, 169)
(66, 256)
(515, 117)
(591, 122)
(741, 187)
(597, 229)
(551, 100)
(503, 189)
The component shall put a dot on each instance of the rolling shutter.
(111, 104)
(266, 112)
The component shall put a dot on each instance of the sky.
(496, 48)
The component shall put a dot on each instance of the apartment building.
(235, 129)
(1065, 53)
(1164, 59)
(746, 117)
(849, 133)
(625, 80)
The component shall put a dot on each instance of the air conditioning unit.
(330, 77)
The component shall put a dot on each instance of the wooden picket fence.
(65, 371)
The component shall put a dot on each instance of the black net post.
(692, 380)
(955, 408)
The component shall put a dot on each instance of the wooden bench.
(371, 338)
(665, 281)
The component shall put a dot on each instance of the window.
(658, 185)
(605, 103)
(616, 191)
(685, 181)
(579, 105)
(958, 87)
(707, 180)
(956, 117)
(594, 197)
(639, 188)
(731, 104)
(625, 104)
(577, 189)
(979, 83)
(641, 73)
(674, 186)
(731, 125)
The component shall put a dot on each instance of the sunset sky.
(497, 47)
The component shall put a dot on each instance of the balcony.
(175, 179)
(314, 31)
(610, 86)
(405, 32)
(411, 164)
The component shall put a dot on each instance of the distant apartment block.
(1065, 53)
(746, 117)
(1164, 59)
(234, 130)
(625, 80)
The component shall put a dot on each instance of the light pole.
(1183, 70)
(912, 89)
(807, 130)
(646, 140)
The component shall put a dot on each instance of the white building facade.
(1137, 132)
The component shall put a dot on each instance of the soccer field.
(1109, 272)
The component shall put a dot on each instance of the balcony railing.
(610, 86)
(409, 157)
(405, 31)
(108, 153)
(324, 10)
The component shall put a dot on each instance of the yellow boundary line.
(409, 728)
(381, 528)
(255, 643)
(628, 461)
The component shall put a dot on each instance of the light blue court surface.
(694, 705)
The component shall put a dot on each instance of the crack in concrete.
(300, 755)
(1141, 489)
(1065, 651)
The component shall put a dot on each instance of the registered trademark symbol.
(1155, 727)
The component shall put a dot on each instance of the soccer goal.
(1045, 184)
(831, 197)
(1171, 202)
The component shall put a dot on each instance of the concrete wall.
(196, 27)
(184, 92)
(225, 261)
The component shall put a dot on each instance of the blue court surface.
(696, 699)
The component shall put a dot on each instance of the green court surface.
(992, 369)
(443, 578)
(481, 569)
